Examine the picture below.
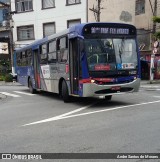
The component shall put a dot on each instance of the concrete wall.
(114, 11)
(145, 20)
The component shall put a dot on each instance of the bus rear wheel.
(31, 89)
(65, 92)
(108, 98)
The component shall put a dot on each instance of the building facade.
(35, 19)
(4, 37)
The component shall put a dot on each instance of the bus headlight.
(92, 81)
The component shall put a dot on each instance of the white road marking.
(29, 94)
(88, 113)
(61, 116)
(9, 94)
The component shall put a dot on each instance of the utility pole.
(154, 14)
(152, 68)
(97, 10)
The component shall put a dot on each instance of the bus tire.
(31, 89)
(108, 98)
(65, 92)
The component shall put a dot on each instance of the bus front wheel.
(31, 89)
(65, 92)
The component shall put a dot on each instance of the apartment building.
(36, 19)
(4, 38)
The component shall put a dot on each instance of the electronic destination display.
(109, 29)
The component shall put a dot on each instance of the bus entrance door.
(74, 66)
(36, 69)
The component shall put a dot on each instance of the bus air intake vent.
(107, 91)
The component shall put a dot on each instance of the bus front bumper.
(95, 90)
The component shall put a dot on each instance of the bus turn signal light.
(67, 68)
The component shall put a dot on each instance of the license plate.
(117, 88)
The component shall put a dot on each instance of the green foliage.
(2, 77)
(156, 19)
(157, 35)
(4, 63)
(8, 78)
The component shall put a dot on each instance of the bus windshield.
(111, 54)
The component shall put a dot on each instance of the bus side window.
(43, 54)
(29, 57)
(62, 47)
(24, 59)
(52, 55)
(18, 59)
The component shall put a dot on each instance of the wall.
(144, 21)
(114, 11)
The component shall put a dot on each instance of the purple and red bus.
(86, 60)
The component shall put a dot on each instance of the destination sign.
(102, 30)
(110, 29)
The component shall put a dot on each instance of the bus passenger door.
(74, 65)
(36, 66)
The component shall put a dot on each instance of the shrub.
(2, 78)
(8, 78)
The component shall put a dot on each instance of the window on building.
(73, 22)
(48, 29)
(140, 7)
(25, 33)
(24, 5)
(72, 2)
(48, 4)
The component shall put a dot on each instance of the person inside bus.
(108, 56)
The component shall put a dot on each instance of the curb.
(150, 82)
(2, 83)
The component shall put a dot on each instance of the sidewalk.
(147, 85)
(3, 83)
(150, 82)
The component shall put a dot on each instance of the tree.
(97, 10)
(156, 19)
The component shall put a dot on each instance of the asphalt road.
(43, 123)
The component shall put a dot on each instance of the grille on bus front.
(106, 91)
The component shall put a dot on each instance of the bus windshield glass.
(111, 54)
